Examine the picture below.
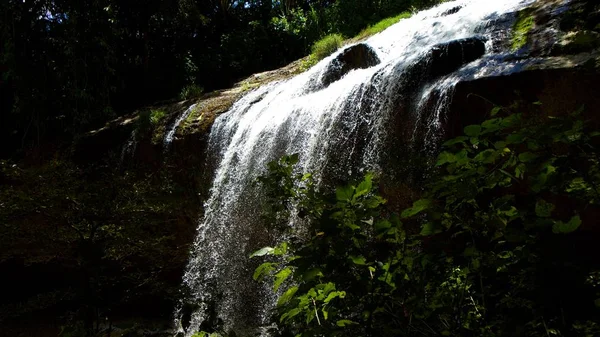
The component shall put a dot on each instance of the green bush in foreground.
(501, 251)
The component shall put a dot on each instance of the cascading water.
(173, 128)
(340, 130)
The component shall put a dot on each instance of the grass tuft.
(326, 46)
(191, 91)
(382, 25)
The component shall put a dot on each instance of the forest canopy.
(67, 66)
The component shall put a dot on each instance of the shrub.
(500, 252)
(191, 91)
(382, 25)
(327, 46)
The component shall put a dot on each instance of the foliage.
(524, 24)
(191, 91)
(382, 25)
(86, 243)
(69, 66)
(326, 46)
(502, 250)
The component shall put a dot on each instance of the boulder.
(451, 11)
(358, 56)
(445, 58)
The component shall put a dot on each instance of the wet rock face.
(577, 42)
(441, 60)
(451, 11)
(359, 56)
(446, 58)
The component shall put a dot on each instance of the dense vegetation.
(90, 244)
(70, 65)
(503, 243)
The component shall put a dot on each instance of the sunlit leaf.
(360, 260)
(280, 277)
(344, 322)
(263, 251)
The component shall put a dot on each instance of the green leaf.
(520, 171)
(312, 274)
(457, 140)
(344, 322)
(334, 294)
(491, 124)
(344, 193)
(262, 252)
(417, 207)
(462, 157)
(262, 270)
(429, 229)
(488, 156)
(564, 228)
(374, 202)
(473, 130)
(280, 250)
(293, 159)
(290, 314)
(280, 277)
(500, 145)
(306, 176)
(382, 225)
(359, 260)
(597, 303)
(365, 186)
(543, 209)
(495, 111)
(445, 157)
(515, 138)
(470, 251)
(527, 157)
(287, 296)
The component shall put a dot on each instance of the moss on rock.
(521, 29)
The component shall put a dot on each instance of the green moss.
(382, 25)
(156, 116)
(521, 29)
(248, 85)
(326, 46)
(193, 120)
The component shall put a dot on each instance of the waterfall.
(340, 130)
(173, 128)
